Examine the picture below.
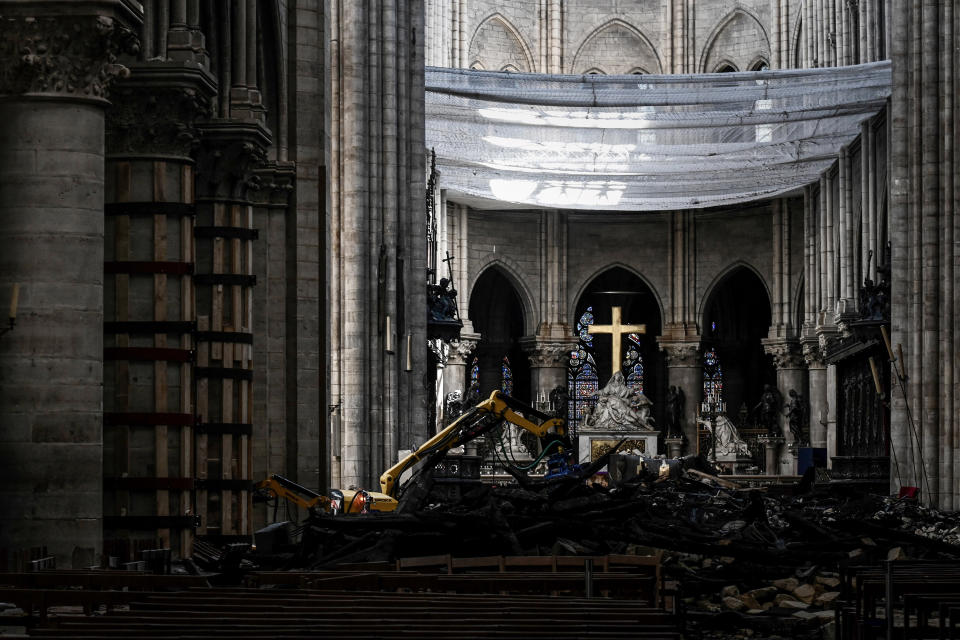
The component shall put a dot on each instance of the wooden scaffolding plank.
(186, 369)
(160, 383)
(121, 434)
(216, 294)
(203, 410)
(226, 454)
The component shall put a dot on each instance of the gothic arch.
(798, 39)
(719, 65)
(799, 306)
(736, 315)
(521, 57)
(588, 280)
(272, 76)
(643, 56)
(743, 19)
(497, 310)
(719, 279)
(511, 272)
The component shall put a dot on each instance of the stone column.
(271, 428)
(56, 62)
(224, 283)
(376, 236)
(685, 370)
(818, 404)
(185, 41)
(149, 305)
(548, 364)
(791, 374)
(458, 362)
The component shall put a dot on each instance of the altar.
(621, 413)
(594, 444)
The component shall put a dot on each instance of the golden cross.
(616, 330)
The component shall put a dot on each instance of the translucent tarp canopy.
(642, 143)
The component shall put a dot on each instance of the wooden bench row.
(100, 580)
(924, 595)
(452, 564)
(245, 614)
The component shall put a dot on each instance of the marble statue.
(620, 408)
(729, 444)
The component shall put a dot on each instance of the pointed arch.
(740, 25)
(497, 312)
(618, 59)
(518, 55)
(798, 39)
(588, 280)
(719, 279)
(511, 271)
(272, 75)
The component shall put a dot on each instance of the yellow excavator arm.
(473, 423)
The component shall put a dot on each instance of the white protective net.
(643, 143)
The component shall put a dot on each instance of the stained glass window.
(506, 377)
(633, 363)
(712, 377)
(475, 372)
(582, 380)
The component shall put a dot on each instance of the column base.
(674, 446)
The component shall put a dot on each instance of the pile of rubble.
(750, 562)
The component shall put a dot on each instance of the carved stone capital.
(682, 354)
(827, 336)
(786, 353)
(231, 152)
(548, 352)
(72, 55)
(276, 183)
(813, 354)
(461, 349)
(155, 111)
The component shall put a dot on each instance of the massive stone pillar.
(376, 263)
(149, 315)
(56, 60)
(548, 364)
(924, 213)
(791, 376)
(224, 282)
(818, 406)
(455, 376)
(272, 431)
(685, 370)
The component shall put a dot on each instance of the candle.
(388, 347)
(886, 340)
(876, 376)
(14, 299)
(409, 352)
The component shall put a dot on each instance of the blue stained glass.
(585, 321)
(712, 376)
(635, 377)
(506, 377)
(475, 372)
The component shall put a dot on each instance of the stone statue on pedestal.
(620, 408)
(729, 445)
(769, 410)
(795, 412)
(675, 401)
